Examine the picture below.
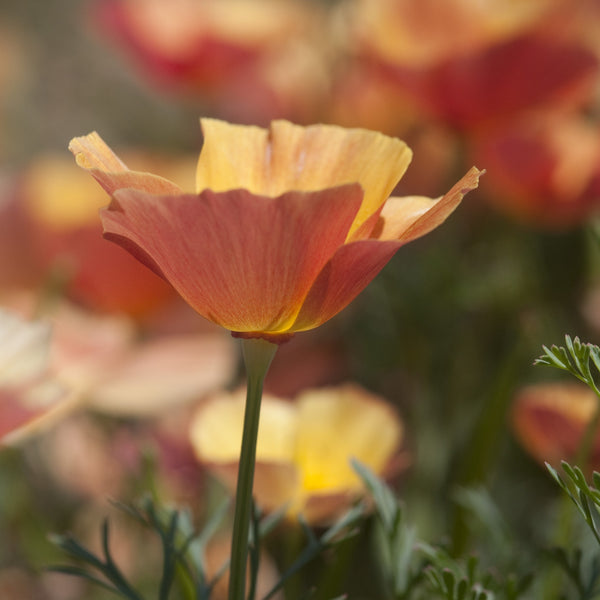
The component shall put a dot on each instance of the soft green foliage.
(397, 538)
(585, 580)
(346, 526)
(574, 358)
(184, 551)
(586, 497)
(412, 568)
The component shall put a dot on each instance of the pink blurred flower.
(117, 370)
(30, 397)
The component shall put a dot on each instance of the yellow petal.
(291, 157)
(337, 424)
(93, 154)
(216, 430)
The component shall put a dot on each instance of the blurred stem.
(258, 354)
(186, 584)
(485, 440)
(331, 582)
(582, 457)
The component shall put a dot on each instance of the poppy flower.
(270, 53)
(304, 446)
(473, 64)
(288, 225)
(544, 171)
(121, 370)
(550, 420)
(30, 396)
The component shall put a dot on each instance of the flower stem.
(258, 354)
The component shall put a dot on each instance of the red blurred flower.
(288, 226)
(545, 170)
(471, 64)
(250, 60)
(550, 420)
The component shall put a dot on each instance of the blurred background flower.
(31, 397)
(271, 53)
(550, 421)
(304, 447)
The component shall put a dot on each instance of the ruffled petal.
(92, 154)
(411, 217)
(242, 261)
(291, 157)
(354, 265)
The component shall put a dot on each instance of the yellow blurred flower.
(304, 447)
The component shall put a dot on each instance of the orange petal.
(354, 265)
(291, 157)
(411, 217)
(366, 428)
(92, 154)
(348, 272)
(243, 262)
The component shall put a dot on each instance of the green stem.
(485, 442)
(258, 354)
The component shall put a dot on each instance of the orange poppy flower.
(288, 225)
(249, 59)
(550, 419)
(472, 64)
(544, 171)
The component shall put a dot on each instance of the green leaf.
(385, 501)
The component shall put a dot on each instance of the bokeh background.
(446, 335)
